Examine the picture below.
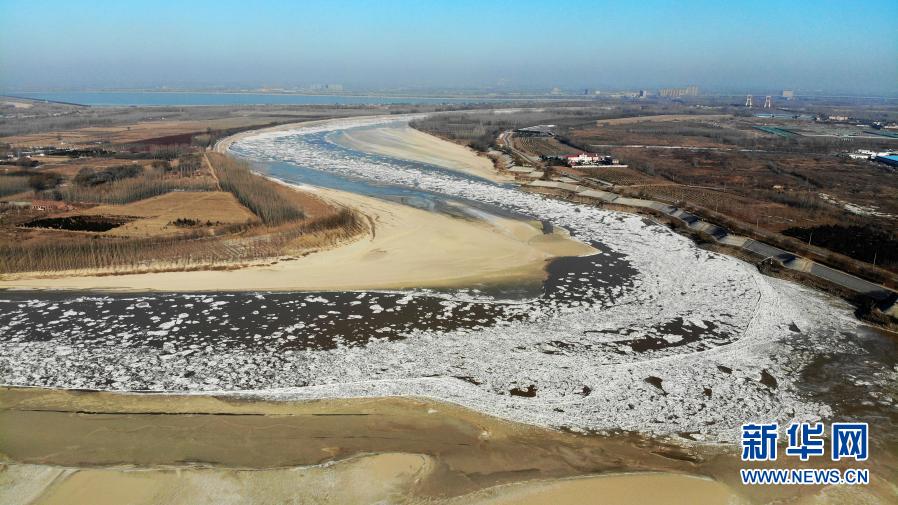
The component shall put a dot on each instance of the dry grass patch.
(158, 215)
(625, 176)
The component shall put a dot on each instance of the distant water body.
(125, 98)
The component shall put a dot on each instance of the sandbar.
(407, 143)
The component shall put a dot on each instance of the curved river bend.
(652, 335)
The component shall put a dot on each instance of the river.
(651, 335)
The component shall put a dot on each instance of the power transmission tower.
(768, 102)
(748, 101)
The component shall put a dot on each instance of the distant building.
(589, 159)
(326, 87)
(788, 94)
(540, 130)
(643, 93)
(678, 92)
(582, 158)
(871, 155)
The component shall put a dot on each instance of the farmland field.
(745, 169)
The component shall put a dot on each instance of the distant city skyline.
(814, 47)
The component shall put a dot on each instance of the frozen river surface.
(652, 335)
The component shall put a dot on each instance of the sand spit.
(405, 247)
(404, 142)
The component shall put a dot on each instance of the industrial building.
(678, 92)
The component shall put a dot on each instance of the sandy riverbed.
(404, 142)
(78, 447)
(127, 448)
(380, 478)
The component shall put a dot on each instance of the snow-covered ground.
(687, 341)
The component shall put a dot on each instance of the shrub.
(185, 222)
(43, 180)
(162, 165)
(89, 177)
(10, 185)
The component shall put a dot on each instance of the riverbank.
(139, 448)
(404, 247)
(95, 447)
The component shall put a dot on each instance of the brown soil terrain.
(545, 146)
(465, 451)
(159, 215)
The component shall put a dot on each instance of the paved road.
(846, 280)
(505, 138)
(851, 282)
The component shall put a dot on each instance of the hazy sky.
(833, 46)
